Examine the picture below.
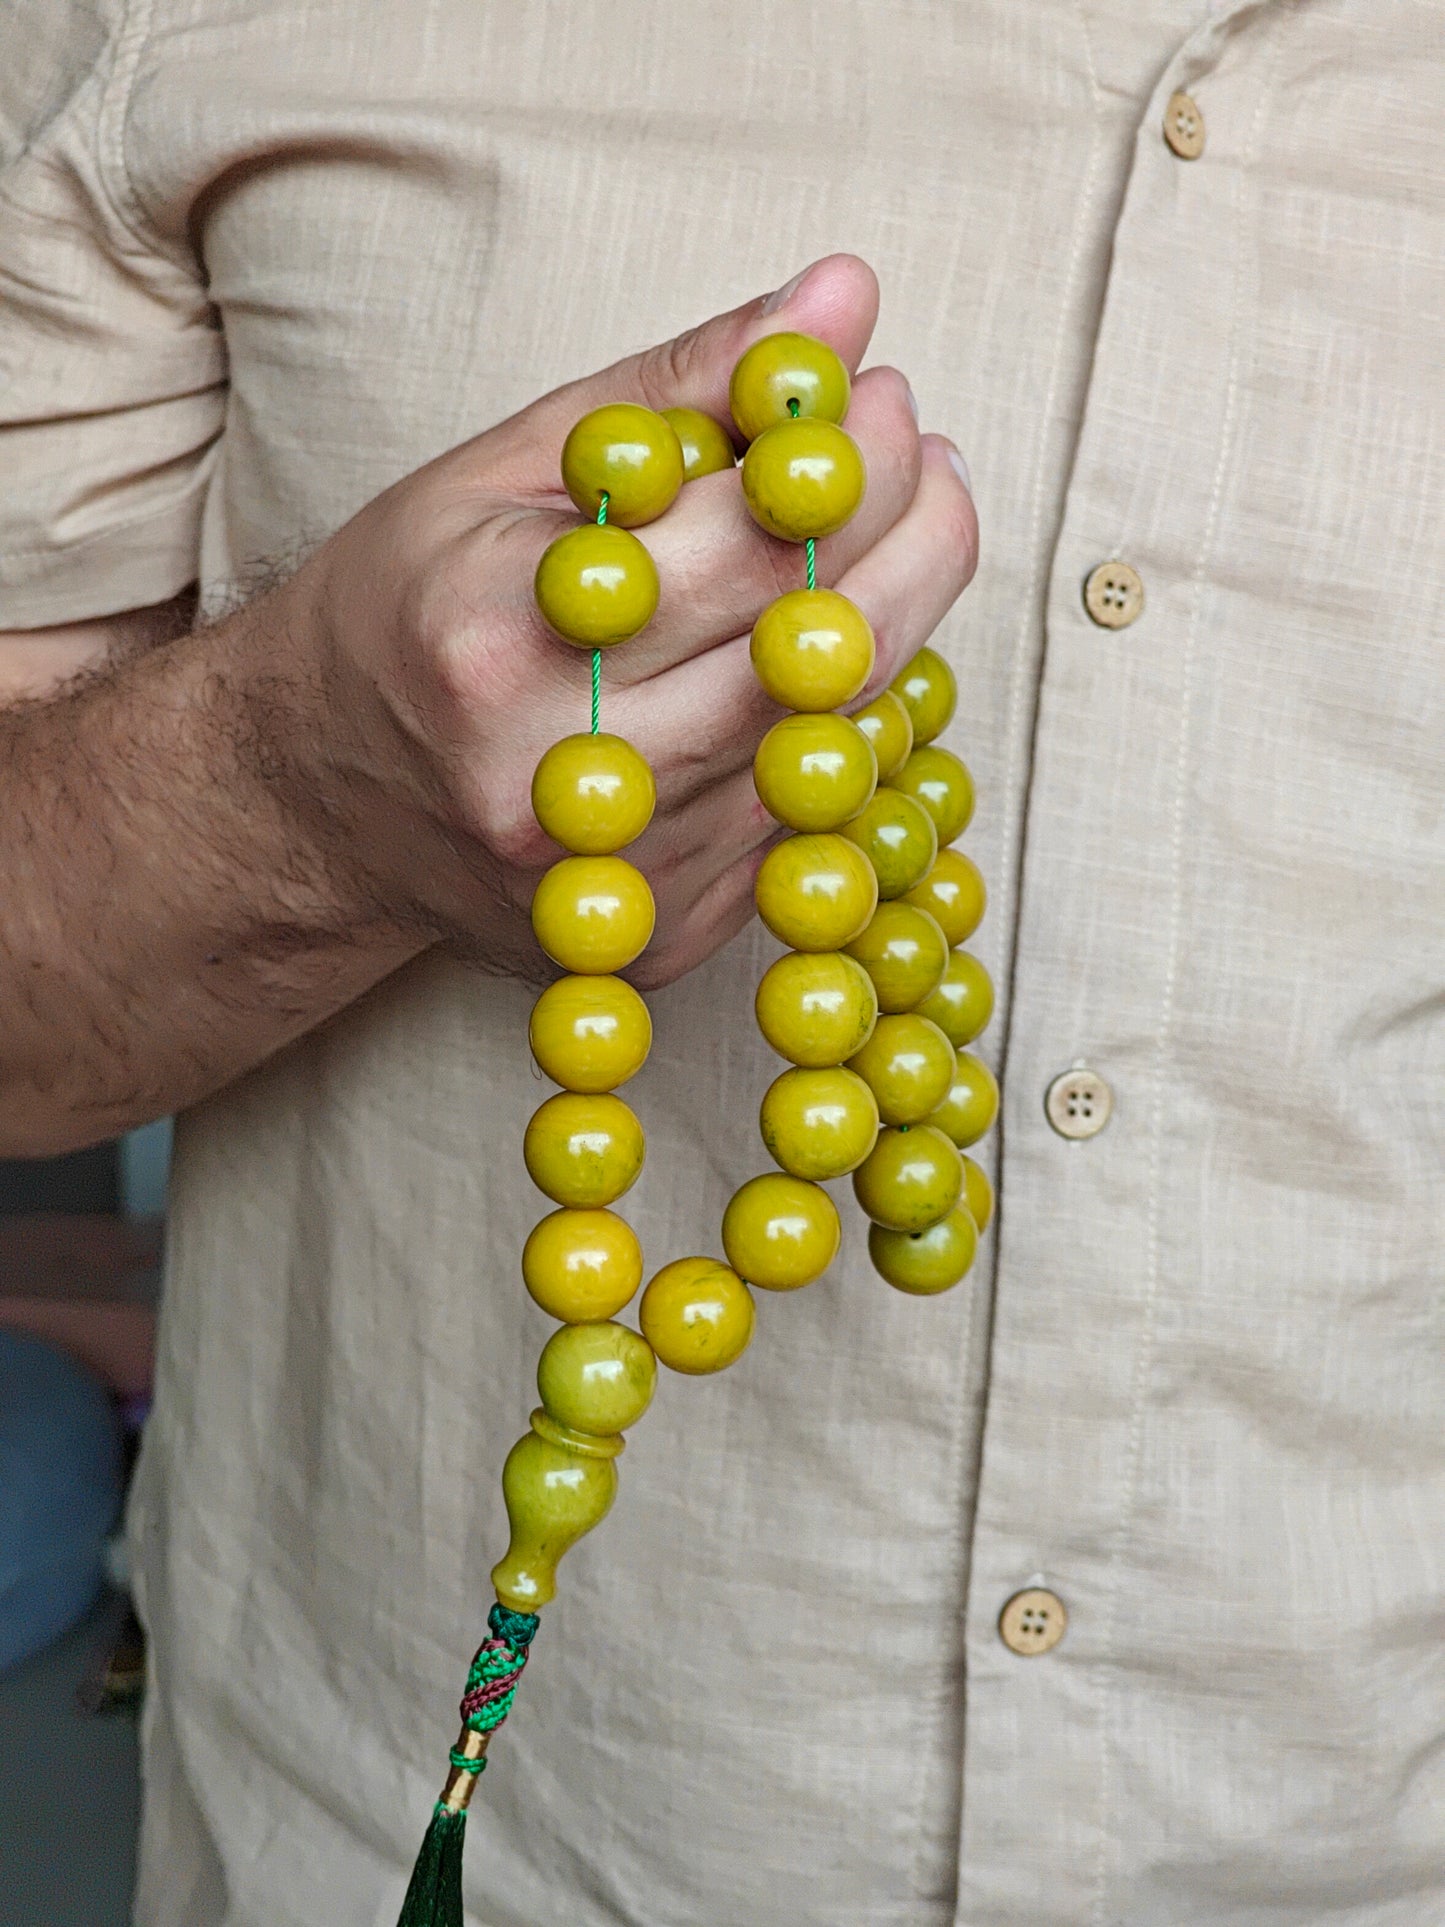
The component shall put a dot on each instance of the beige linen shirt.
(260, 257)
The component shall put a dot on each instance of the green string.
(795, 409)
(597, 653)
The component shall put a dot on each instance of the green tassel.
(434, 1897)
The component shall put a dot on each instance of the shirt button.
(1033, 1622)
(1079, 1103)
(1114, 595)
(1184, 127)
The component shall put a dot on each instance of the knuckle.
(664, 372)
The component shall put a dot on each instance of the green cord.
(597, 653)
(795, 409)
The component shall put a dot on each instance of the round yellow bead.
(819, 1124)
(815, 892)
(954, 894)
(897, 837)
(971, 1103)
(940, 781)
(816, 1008)
(697, 1315)
(888, 727)
(812, 649)
(927, 690)
(904, 952)
(963, 1003)
(593, 914)
(908, 1064)
(628, 453)
(785, 369)
(583, 1150)
(924, 1263)
(596, 586)
(596, 1378)
(780, 1232)
(590, 1033)
(814, 772)
(803, 479)
(593, 794)
(977, 1194)
(582, 1265)
(911, 1180)
(706, 445)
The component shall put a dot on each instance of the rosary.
(871, 1006)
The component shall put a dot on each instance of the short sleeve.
(112, 363)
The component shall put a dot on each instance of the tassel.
(434, 1897)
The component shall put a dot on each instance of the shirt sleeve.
(112, 362)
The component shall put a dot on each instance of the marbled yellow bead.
(812, 649)
(697, 1315)
(888, 727)
(593, 914)
(590, 1033)
(593, 794)
(583, 1150)
(582, 1265)
(971, 1104)
(910, 1180)
(706, 445)
(803, 479)
(814, 772)
(816, 1008)
(815, 892)
(628, 453)
(596, 1378)
(923, 1263)
(927, 690)
(953, 893)
(908, 1064)
(780, 1232)
(977, 1194)
(904, 952)
(557, 1486)
(940, 781)
(596, 587)
(963, 1003)
(783, 375)
(897, 837)
(819, 1123)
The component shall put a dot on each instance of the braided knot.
(497, 1668)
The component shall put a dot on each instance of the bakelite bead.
(596, 586)
(819, 1123)
(803, 479)
(697, 1315)
(977, 1194)
(787, 368)
(909, 1065)
(593, 794)
(583, 1150)
(816, 1008)
(593, 914)
(812, 649)
(897, 837)
(910, 1180)
(953, 892)
(780, 1232)
(963, 1003)
(582, 1265)
(923, 1263)
(814, 772)
(905, 954)
(596, 1378)
(888, 727)
(927, 690)
(590, 1033)
(816, 892)
(555, 1492)
(938, 780)
(971, 1104)
(628, 453)
(706, 445)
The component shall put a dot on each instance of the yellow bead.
(923, 1263)
(904, 952)
(785, 368)
(888, 727)
(593, 914)
(803, 479)
(596, 1378)
(590, 1033)
(558, 1486)
(596, 586)
(908, 1064)
(815, 892)
(927, 690)
(706, 445)
(911, 1180)
(697, 1315)
(780, 1232)
(819, 1124)
(582, 1265)
(897, 837)
(816, 1008)
(631, 455)
(953, 894)
(814, 772)
(593, 794)
(963, 1003)
(583, 1150)
(977, 1194)
(971, 1104)
(938, 780)
(812, 649)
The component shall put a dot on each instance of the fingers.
(724, 909)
